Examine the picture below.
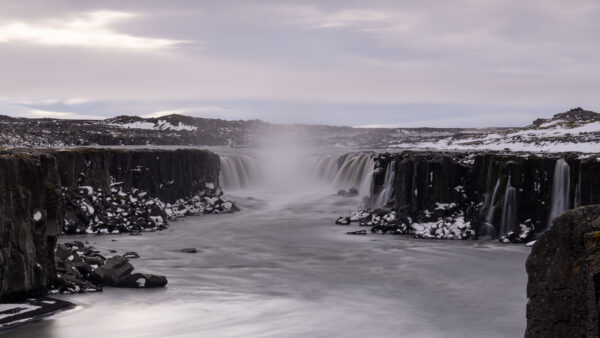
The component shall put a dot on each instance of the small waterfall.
(560, 189)
(238, 171)
(489, 231)
(387, 192)
(509, 209)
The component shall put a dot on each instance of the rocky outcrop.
(508, 196)
(564, 277)
(43, 192)
(81, 268)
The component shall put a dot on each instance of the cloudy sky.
(402, 63)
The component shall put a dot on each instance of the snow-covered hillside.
(575, 130)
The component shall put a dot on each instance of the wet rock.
(189, 250)
(112, 271)
(142, 280)
(358, 232)
(131, 254)
(343, 221)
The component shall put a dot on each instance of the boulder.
(141, 280)
(131, 254)
(112, 271)
(564, 277)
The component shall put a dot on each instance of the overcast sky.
(455, 63)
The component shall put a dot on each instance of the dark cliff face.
(40, 190)
(523, 186)
(564, 277)
(30, 214)
(166, 174)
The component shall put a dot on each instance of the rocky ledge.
(564, 277)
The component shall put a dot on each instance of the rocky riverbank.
(44, 193)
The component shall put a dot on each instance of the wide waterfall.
(560, 190)
(344, 171)
(509, 209)
(238, 171)
(355, 171)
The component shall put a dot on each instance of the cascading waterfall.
(324, 167)
(387, 192)
(489, 231)
(509, 209)
(355, 171)
(345, 171)
(560, 189)
(238, 171)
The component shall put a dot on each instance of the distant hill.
(574, 130)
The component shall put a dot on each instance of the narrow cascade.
(489, 231)
(238, 171)
(387, 192)
(509, 209)
(560, 190)
(355, 171)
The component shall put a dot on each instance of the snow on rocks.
(444, 222)
(121, 210)
(80, 269)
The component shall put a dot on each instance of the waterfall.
(387, 192)
(489, 231)
(238, 171)
(509, 209)
(560, 189)
(343, 172)
(355, 171)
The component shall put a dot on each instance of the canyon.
(495, 197)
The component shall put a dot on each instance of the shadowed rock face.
(30, 214)
(564, 277)
(423, 180)
(32, 200)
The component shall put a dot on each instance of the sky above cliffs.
(459, 63)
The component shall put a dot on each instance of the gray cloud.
(445, 63)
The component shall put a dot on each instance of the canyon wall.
(500, 194)
(45, 192)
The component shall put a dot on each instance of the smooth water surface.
(279, 268)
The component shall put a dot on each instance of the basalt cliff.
(44, 193)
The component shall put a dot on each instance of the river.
(280, 268)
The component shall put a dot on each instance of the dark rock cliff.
(564, 277)
(500, 194)
(43, 191)
(30, 217)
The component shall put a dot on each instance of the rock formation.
(564, 277)
(510, 196)
(43, 192)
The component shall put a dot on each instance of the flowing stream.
(279, 268)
